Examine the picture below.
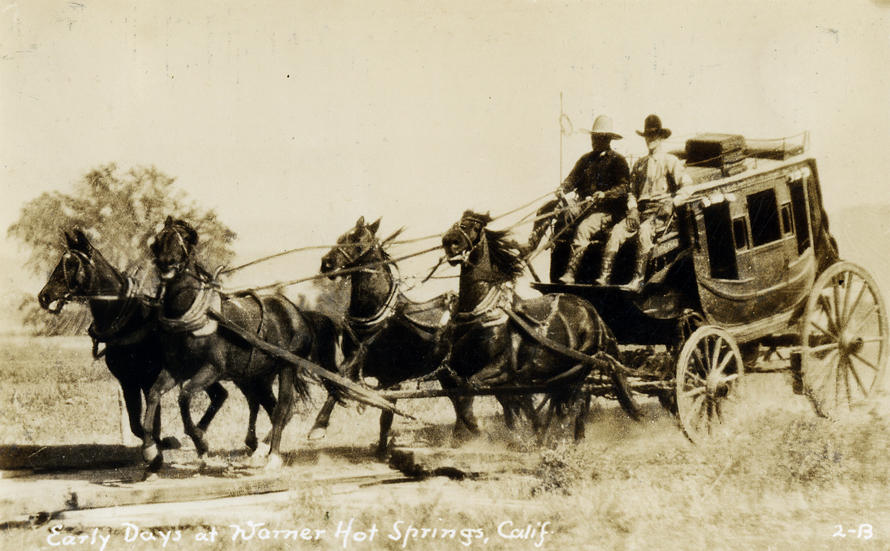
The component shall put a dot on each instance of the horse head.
(81, 272)
(354, 248)
(173, 247)
(463, 238)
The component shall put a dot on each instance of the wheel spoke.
(716, 353)
(836, 304)
(697, 403)
(694, 392)
(723, 363)
(860, 323)
(823, 348)
(694, 378)
(843, 372)
(863, 360)
(848, 313)
(855, 374)
(826, 372)
(826, 308)
(700, 363)
(848, 284)
(823, 330)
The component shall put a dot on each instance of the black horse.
(198, 352)
(124, 320)
(500, 340)
(390, 337)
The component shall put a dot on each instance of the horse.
(501, 340)
(124, 320)
(199, 351)
(390, 337)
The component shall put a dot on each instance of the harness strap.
(600, 359)
(353, 390)
(122, 318)
(195, 318)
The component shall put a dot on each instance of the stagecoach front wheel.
(708, 370)
(843, 346)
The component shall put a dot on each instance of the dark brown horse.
(124, 320)
(198, 353)
(389, 337)
(500, 340)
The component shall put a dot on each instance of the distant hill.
(863, 235)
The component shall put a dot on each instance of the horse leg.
(150, 451)
(133, 402)
(202, 380)
(218, 395)
(386, 418)
(281, 414)
(319, 429)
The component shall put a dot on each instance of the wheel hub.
(850, 344)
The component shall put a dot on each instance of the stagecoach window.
(740, 232)
(787, 226)
(764, 214)
(799, 209)
(718, 233)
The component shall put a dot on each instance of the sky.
(294, 118)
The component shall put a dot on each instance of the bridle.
(181, 266)
(464, 257)
(355, 261)
(71, 292)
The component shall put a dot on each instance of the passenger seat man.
(654, 180)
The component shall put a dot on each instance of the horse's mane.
(504, 252)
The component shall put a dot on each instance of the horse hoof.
(154, 465)
(150, 453)
(251, 443)
(274, 463)
(262, 450)
(150, 476)
(317, 433)
(170, 443)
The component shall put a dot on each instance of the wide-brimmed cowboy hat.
(603, 125)
(652, 128)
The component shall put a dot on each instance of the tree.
(120, 212)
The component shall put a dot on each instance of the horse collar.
(384, 312)
(122, 318)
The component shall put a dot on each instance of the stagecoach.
(747, 271)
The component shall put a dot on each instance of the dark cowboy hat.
(603, 125)
(652, 128)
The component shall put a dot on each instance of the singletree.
(119, 212)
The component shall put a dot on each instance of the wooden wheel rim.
(708, 369)
(844, 342)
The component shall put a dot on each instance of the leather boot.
(636, 284)
(574, 263)
(606, 269)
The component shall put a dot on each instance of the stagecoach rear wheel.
(708, 370)
(844, 342)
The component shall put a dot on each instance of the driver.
(600, 179)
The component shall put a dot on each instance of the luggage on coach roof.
(715, 150)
